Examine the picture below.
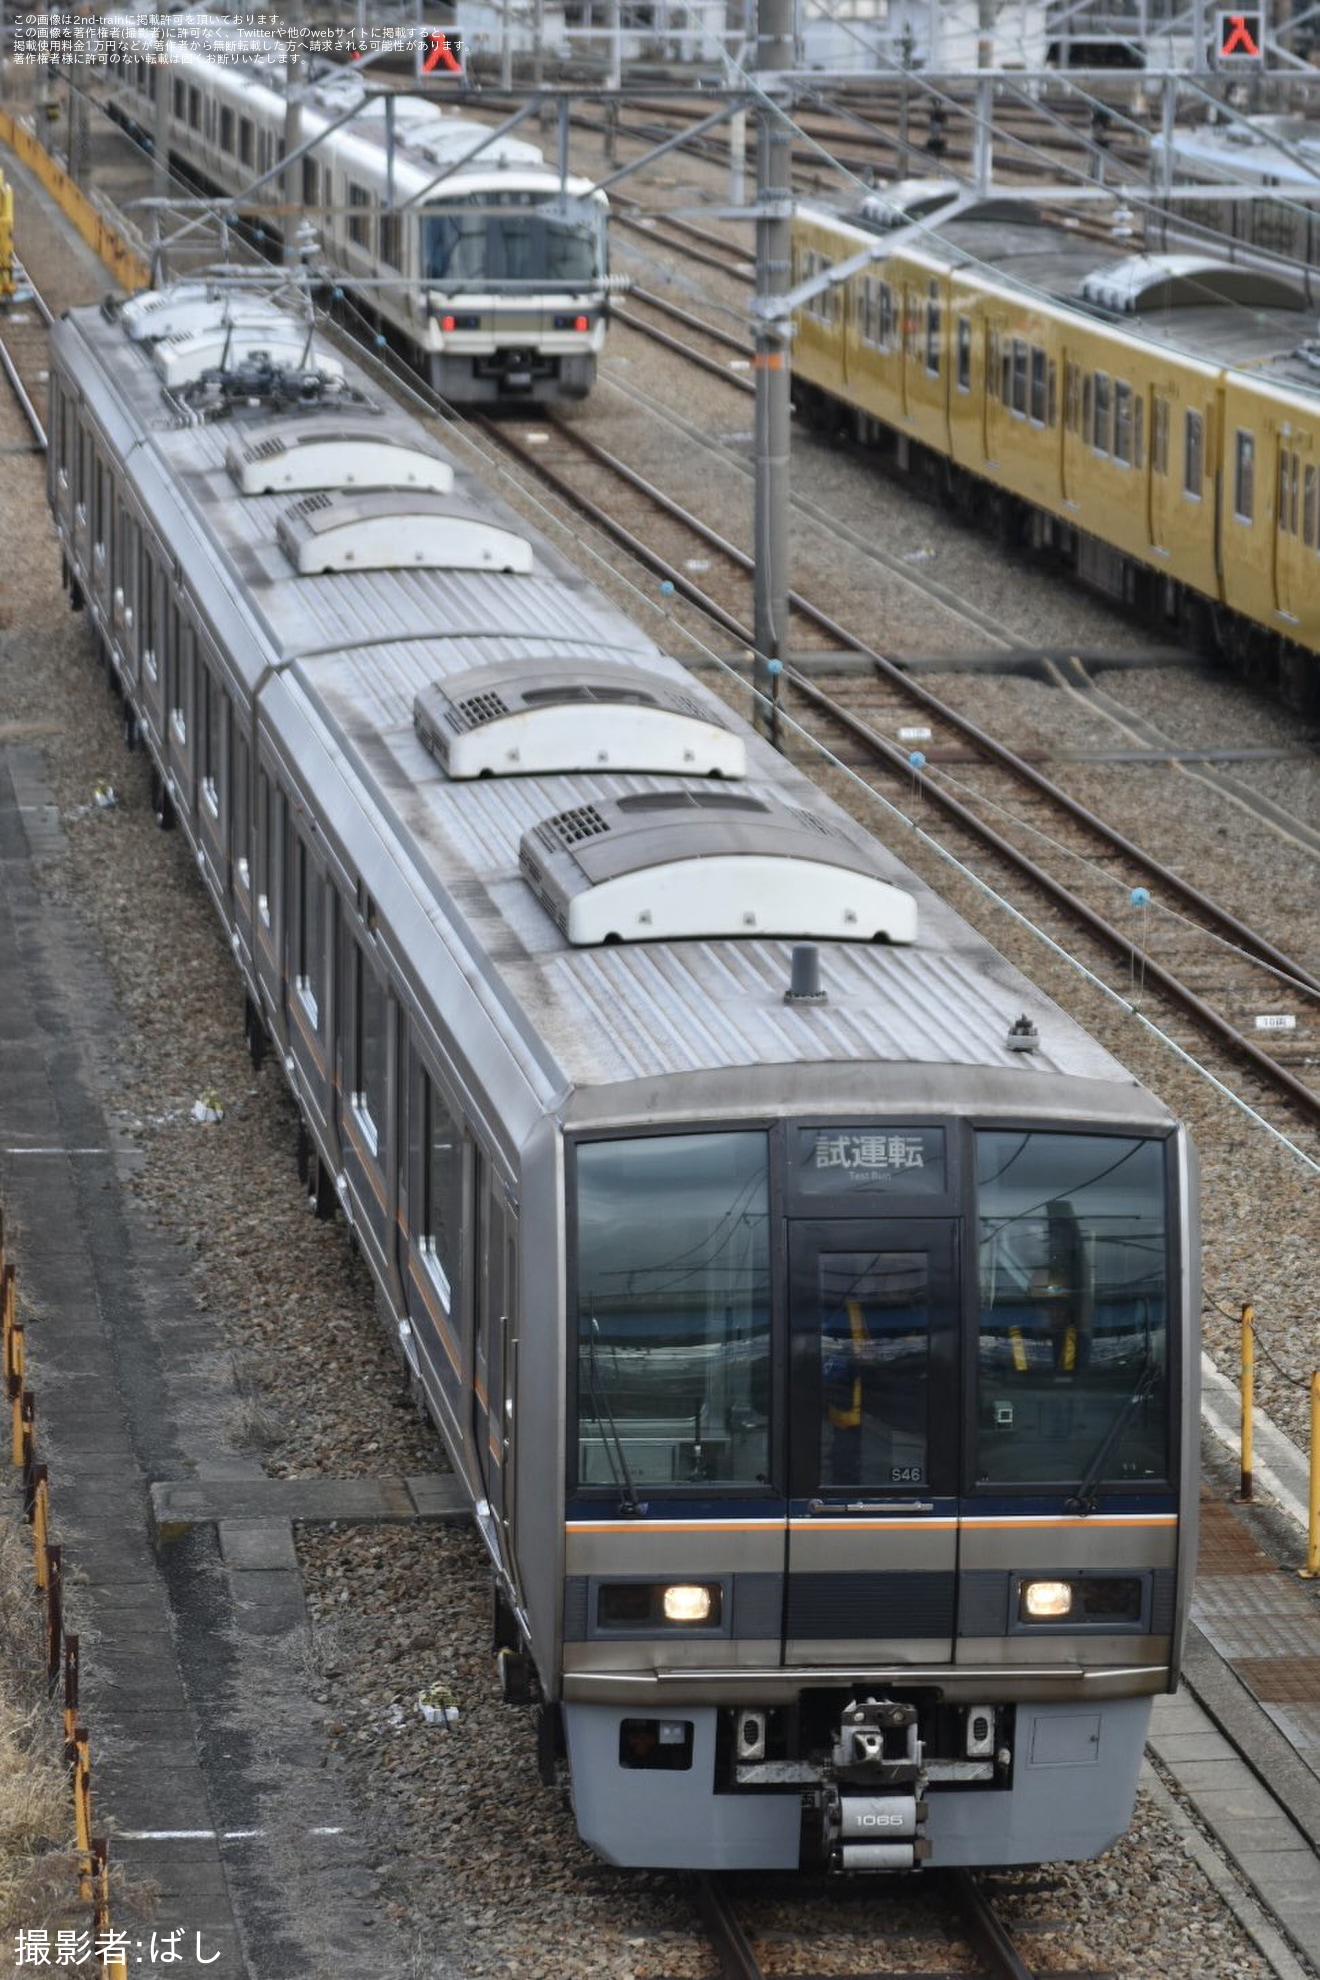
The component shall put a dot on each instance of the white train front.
(821, 1362)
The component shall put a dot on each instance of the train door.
(872, 1458)
(1289, 484)
(496, 1326)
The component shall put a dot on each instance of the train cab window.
(1073, 1356)
(1309, 517)
(1102, 413)
(442, 1191)
(308, 930)
(226, 129)
(671, 1264)
(964, 354)
(1159, 435)
(1039, 406)
(369, 1048)
(1123, 422)
(1244, 477)
(933, 332)
(1193, 455)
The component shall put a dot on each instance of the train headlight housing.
(645, 1605)
(1046, 1601)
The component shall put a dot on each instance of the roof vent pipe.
(804, 984)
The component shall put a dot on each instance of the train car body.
(1261, 184)
(1150, 418)
(488, 267)
(820, 1357)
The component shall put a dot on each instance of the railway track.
(949, 1913)
(1085, 877)
(23, 328)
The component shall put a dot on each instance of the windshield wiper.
(1085, 1499)
(600, 1403)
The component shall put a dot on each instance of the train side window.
(442, 1191)
(269, 820)
(1309, 509)
(886, 317)
(1021, 385)
(1101, 412)
(181, 678)
(147, 613)
(1123, 422)
(100, 509)
(1038, 405)
(1138, 430)
(179, 97)
(1159, 435)
(369, 1047)
(391, 239)
(1052, 394)
(964, 353)
(210, 717)
(226, 129)
(1193, 455)
(1244, 477)
(933, 332)
(1288, 479)
(1088, 395)
(359, 222)
(245, 151)
(194, 109)
(240, 799)
(309, 930)
(311, 182)
(1072, 395)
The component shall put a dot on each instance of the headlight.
(1096, 1599)
(685, 1603)
(659, 1604)
(1046, 1601)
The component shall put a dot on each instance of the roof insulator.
(1022, 1035)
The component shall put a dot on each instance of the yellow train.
(1153, 419)
(6, 241)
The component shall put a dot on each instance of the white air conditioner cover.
(744, 894)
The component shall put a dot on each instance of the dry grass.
(38, 1870)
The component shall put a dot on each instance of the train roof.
(1210, 310)
(358, 661)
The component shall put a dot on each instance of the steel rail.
(1305, 1098)
(985, 1929)
(26, 406)
(732, 1947)
(659, 336)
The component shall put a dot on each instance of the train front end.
(881, 1495)
(515, 289)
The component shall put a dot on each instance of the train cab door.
(872, 1441)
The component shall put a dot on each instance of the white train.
(476, 258)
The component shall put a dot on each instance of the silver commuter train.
(472, 254)
(808, 1306)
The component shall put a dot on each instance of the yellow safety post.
(40, 1523)
(14, 1372)
(6, 241)
(1248, 1395)
(1312, 1568)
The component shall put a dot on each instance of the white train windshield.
(513, 237)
